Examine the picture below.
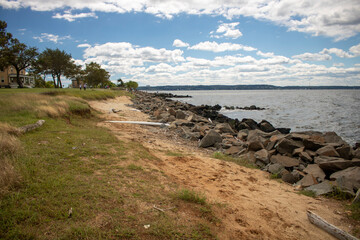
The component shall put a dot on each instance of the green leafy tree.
(14, 53)
(39, 81)
(131, 85)
(57, 63)
(95, 75)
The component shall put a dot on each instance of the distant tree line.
(53, 62)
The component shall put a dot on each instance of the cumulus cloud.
(227, 30)
(48, 37)
(267, 54)
(313, 57)
(84, 45)
(220, 47)
(331, 18)
(68, 16)
(179, 43)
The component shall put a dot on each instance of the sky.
(199, 42)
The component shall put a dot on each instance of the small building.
(8, 78)
(75, 84)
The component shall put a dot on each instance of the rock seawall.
(320, 162)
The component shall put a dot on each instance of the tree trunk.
(18, 78)
(53, 76)
(59, 80)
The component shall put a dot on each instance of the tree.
(57, 63)
(131, 85)
(120, 83)
(95, 75)
(15, 53)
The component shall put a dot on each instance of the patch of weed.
(191, 196)
(275, 176)
(134, 167)
(174, 154)
(355, 211)
(308, 193)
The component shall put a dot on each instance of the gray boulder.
(284, 160)
(312, 144)
(289, 178)
(234, 150)
(321, 188)
(316, 171)
(210, 139)
(180, 114)
(225, 128)
(287, 146)
(328, 151)
(345, 151)
(348, 180)
(266, 126)
(262, 155)
(307, 181)
(255, 145)
(242, 135)
(275, 168)
(332, 137)
(332, 164)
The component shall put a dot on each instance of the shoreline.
(311, 160)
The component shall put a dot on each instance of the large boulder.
(287, 146)
(345, 151)
(224, 128)
(316, 171)
(285, 161)
(266, 126)
(262, 155)
(312, 144)
(307, 181)
(328, 151)
(180, 114)
(332, 137)
(333, 164)
(305, 156)
(275, 168)
(210, 139)
(321, 188)
(234, 150)
(250, 123)
(348, 180)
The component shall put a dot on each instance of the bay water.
(300, 110)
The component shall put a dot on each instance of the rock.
(210, 139)
(262, 155)
(306, 157)
(321, 188)
(275, 168)
(285, 161)
(316, 171)
(312, 144)
(224, 128)
(255, 145)
(172, 112)
(242, 135)
(357, 153)
(287, 146)
(284, 130)
(180, 114)
(250, 123)
(289, 178)
(266, 126)
(297, 151)
(332, 164)
(183, 122)
(307, 181)
(270, 145)
(234, 150)
(345, 151)
(332, 137)
(328, 151)
(348, 179)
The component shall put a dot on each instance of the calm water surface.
(318, 110)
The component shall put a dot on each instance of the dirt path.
(257, 207)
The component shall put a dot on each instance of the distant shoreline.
(243, 87)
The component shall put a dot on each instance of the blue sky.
(192, 42)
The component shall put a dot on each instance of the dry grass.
(6, 128)
(8, 175)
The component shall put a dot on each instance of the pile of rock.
(312, 160)
(252, 107)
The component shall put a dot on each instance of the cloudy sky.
(193, 42)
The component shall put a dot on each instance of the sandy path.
(257, 207)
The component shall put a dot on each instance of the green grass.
(238, 160)
(355, 211)
(275, 176)
(174, 154)
(69, 162)
(191, 196)
(307, 193)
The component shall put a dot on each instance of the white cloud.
(220, 47)
(48, 37)
(313, 57)
(68, 16)
(331, 18)
(338, 65)
(179, 43)
(227, 30)
(355, 50)
(338, 52)
(267, 54)
(84, 45)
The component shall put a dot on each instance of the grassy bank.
(71, 179)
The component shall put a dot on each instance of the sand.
(257, 207)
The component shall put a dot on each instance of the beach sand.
(257, 207)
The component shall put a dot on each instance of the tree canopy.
(96, 76)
